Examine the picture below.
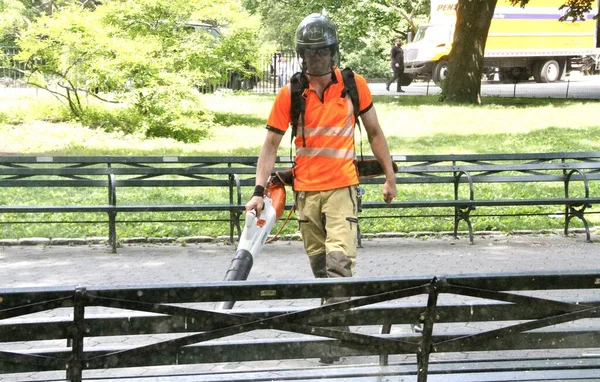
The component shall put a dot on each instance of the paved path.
(138, 264)
(143, 264)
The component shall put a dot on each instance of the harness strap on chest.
(299, 84)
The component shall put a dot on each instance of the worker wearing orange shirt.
(325, 174)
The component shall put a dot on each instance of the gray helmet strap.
(318, 75)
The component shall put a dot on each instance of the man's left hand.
(389, 191)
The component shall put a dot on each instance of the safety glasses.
(317, 52)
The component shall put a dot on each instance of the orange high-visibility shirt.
(325, 155)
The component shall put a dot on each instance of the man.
(397, 63)
(325, 174)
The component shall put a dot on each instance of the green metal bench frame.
(469, 170)
(116, 172)
(530, 320)
(465, 170)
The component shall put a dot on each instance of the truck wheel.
(550, 71)
(407, 79)
(440, 72)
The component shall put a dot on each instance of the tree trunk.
(465, 63)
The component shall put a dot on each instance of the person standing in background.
(397, 63)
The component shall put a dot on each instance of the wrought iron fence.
(575, 86)
(276, 69)
(9, 77)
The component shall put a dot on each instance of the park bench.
(103, 176)
(505, 326)
(463, 178)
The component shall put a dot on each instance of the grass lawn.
(413, 125)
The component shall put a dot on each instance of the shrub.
(371, 61)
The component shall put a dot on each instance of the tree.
(465, 63)
(138, 55)
(473, 21)
(13, 16)
(367, 28)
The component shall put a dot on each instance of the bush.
(173, 112)
(371, 61)
(112, 119)
(138, 54)
(168, 112)
(22, 110)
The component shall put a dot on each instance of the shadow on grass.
(551, 139)
(230, 119)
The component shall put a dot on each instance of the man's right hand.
(257, 204)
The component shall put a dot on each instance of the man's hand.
(257, 204)
(389, 191)
(397, 65)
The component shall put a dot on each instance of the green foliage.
(364, 27)
(139, 55)
(381, 19)
(117, 119)
(173, 112)
(240, 56)
(13, 16)
(22, 110)
(371, 61)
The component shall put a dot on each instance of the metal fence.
(575, 86)
(276, 69)
(11, 77)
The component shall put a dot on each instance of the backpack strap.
(351, 89)
(298, 83)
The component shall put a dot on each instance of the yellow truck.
(521, 43)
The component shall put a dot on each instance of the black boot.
(318, 265)
(339, 266)
(387, 86)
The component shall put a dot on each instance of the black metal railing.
(274, 70)
(523, 304)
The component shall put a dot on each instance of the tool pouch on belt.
(286, 177)
(369, 168)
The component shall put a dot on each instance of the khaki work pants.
(328, 225)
